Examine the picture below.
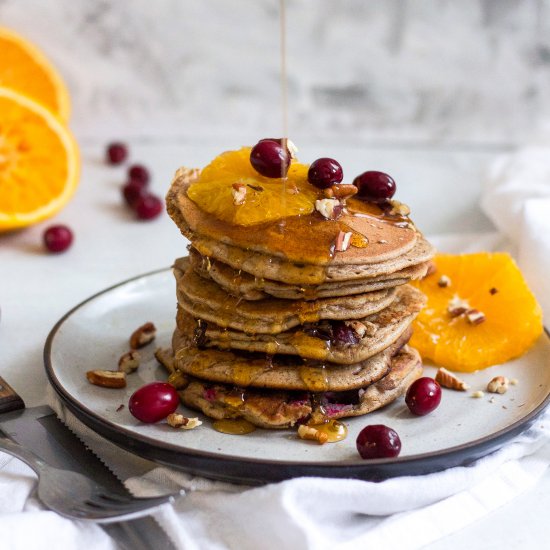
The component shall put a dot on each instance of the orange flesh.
(491, 283)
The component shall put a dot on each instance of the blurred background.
(397, 73)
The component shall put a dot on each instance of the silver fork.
(75, 496)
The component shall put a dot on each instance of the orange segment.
(490, 283)
(39, 162)
(24, 69)
(266, 199)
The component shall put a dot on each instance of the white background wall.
(391, 72)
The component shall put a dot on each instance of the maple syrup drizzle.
(315, 378)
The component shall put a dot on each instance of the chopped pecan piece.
(331, 209)
(107, 378)
(238, 192)
(129, 362)
(475, 317)
(449, 380)
(499, 384)
(307, 432)
(457, 306)
(177, 420)
(143, 335)
(342, 241)
(343, 191)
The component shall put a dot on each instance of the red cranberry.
(134, 190)
(57, 238)
(153, 402)
(423, 396)
(138, 172)
(378, 441)
(117, 153)
(324, 172)
(374, 186)
(148, 206)
(270, 158)
(342, 334)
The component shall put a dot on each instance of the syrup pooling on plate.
(233, 426)
(335, 430)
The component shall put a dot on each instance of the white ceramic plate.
(95, 333)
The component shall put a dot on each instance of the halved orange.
(25, 69)
(490, 283)
(39, 162)
(265, 199)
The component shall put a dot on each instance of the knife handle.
(9, 400)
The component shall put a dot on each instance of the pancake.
(283, 409)
(285, 372)
(299, 273)
(388, 236)
(241, 284)
(204, 299)
(312, 341)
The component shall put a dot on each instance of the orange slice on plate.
(39, 162)
(262, 200)
(480, 312)
(26, 70)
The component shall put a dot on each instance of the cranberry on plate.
(423, 396)
(378, 441)
(153, 402)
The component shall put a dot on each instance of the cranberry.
(147, 206)
(138, 172)
(378, 441)
(374, 186)
(324, 172)
(57, 238)
(153, 402)
(270, 158)
(342, 334)
(423, 396)
(117, 153)
(134, 190)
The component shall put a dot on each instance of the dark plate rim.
(168, 453)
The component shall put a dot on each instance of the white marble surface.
(475, 71)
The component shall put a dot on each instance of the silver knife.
(39, 429)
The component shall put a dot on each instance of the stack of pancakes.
(276, 326)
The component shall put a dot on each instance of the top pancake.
(307, 239)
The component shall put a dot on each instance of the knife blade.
(40, 430)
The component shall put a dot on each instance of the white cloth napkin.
(517, 199)
(403, 513)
